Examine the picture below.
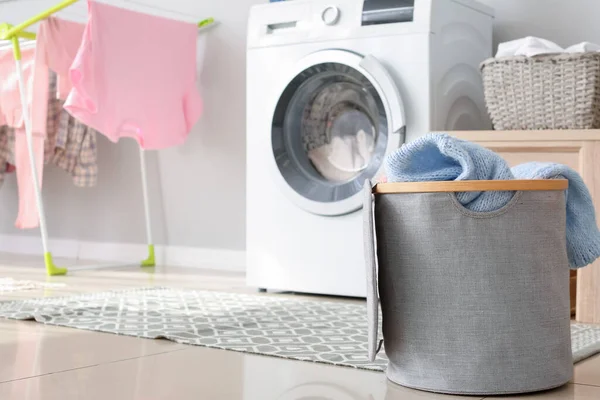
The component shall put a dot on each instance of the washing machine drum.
(337, 127)
(329, 134)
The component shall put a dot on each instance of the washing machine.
(333, 86)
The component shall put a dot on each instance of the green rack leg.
(150, 261)
(51, 268)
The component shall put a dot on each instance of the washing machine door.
(337, 116)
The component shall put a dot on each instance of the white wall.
(197, 190)
(565, 22)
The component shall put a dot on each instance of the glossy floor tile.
(45, 362)
(568, 392)
(30, 349)
(199, 373)
(588, 372)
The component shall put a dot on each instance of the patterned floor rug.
(307, 330)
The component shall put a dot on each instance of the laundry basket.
(555, 91)
(472, 303)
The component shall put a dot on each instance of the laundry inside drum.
(338, 131)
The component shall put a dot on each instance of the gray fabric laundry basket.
(472, 303)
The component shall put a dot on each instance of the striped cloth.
(69, 144)
(7, 145)
(76, 150)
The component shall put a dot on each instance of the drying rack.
(13, 34)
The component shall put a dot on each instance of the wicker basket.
(543, 92)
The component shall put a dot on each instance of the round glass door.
(329, 133)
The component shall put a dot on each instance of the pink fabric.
(57, 44)
(11, 113)
(28, 216)
(10, 101)
(135, 76)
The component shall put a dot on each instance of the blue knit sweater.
(440, 157)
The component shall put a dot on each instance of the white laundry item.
(320, 159)
(366, 145)
(532, 46)
(583, 47)
(529, 46)
(344, 157)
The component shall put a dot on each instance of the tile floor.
(44, 362)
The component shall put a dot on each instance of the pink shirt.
(11, 113)
(11, 110)
(57, 44)
(135, 76)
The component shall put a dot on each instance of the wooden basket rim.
(472, 186)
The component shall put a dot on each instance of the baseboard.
(177, 256)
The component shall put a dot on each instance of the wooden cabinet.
(573, 289)
(578, 149)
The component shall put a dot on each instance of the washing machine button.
(330, 15)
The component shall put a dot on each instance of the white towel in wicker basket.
(557, 91)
